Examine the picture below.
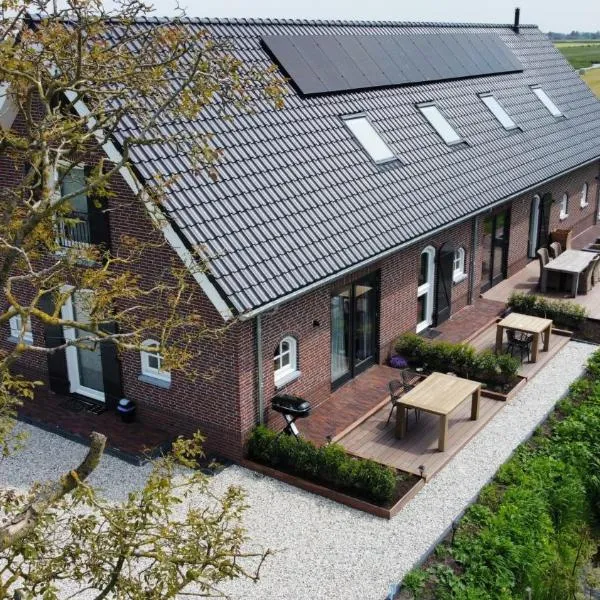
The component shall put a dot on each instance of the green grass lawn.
(582, 54)
(592, 78)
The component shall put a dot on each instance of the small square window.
(440, 124)
(369, 139)
(16, 325)
(545, 100)
(153, 361)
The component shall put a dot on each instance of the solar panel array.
(322, 64)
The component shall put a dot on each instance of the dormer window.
(440, 124)
(498, 111)
(545, 100)
(369, 139)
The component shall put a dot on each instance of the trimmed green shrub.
(461, 359)
(536, 525)
(329, 465)
(564, 313)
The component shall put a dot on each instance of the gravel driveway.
(326, 550)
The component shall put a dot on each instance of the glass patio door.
(84, 362)
(495, 249)
(353, 329)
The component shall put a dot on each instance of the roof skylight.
(498, 111)
(369, 139)
(545, 100)
(440, 124)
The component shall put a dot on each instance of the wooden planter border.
(321, 490)
(504, 397)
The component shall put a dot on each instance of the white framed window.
(564, 206)
(152, 363)
(440, 123)
(285, 361)
(584, 195)
(498, 111)
(16, 327)
(368, 138)
(458, 273)
(545, 100)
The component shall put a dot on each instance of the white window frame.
(427, 288)
(440, 124)
(59, 224)
(584, 195)
(534, 225)
(459, 272)
(289, 372)
(492, 104)
(16, 327)
(564, 207)
(543, 97)
(147, 369)
(369, 138)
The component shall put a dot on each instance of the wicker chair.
(553, 278)
(397, 390)
(586, 279)
(555, 249)
(521, 341)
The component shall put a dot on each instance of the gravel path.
(326, 550)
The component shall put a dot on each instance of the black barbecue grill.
(292, 408)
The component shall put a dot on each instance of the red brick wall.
(579, 218)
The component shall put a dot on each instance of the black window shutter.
(111, 369)
(98, 218)
(57, 361)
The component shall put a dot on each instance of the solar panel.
(324, 64)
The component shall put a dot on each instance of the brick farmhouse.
(413, 166)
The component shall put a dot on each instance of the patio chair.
(553, 278)
(596, 273)
(586, 279)
(397, 390)
(555, 249)
(521, 341)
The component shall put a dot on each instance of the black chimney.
(517, 18)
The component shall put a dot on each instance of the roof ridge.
(328, 22)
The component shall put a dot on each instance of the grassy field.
(592, 78)
(580, 54)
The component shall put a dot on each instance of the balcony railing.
(73, 230)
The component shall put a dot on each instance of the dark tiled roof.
(298, 199)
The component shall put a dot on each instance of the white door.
(426, 289)
(84, 363)
(534, 226)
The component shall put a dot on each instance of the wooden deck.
(527, 279)
(372, 438)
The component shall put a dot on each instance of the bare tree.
(92, 87)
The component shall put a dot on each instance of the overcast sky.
(550, 15)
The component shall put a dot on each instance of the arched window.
(564, 206)
(425, 288)
(459, 273)
(584, 195)
(152, 363)
(285, 361)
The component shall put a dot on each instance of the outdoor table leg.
(443, 432)
(535, 344)
(475, 404)
(499, 336)
(574, 284)
(547, 338)
(400, 421)
(544, 282)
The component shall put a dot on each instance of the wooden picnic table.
(573, 262)
(439, 395)
(534, 325)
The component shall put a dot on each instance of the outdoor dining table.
(439, 395)
(533, 325)
(573, 262)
